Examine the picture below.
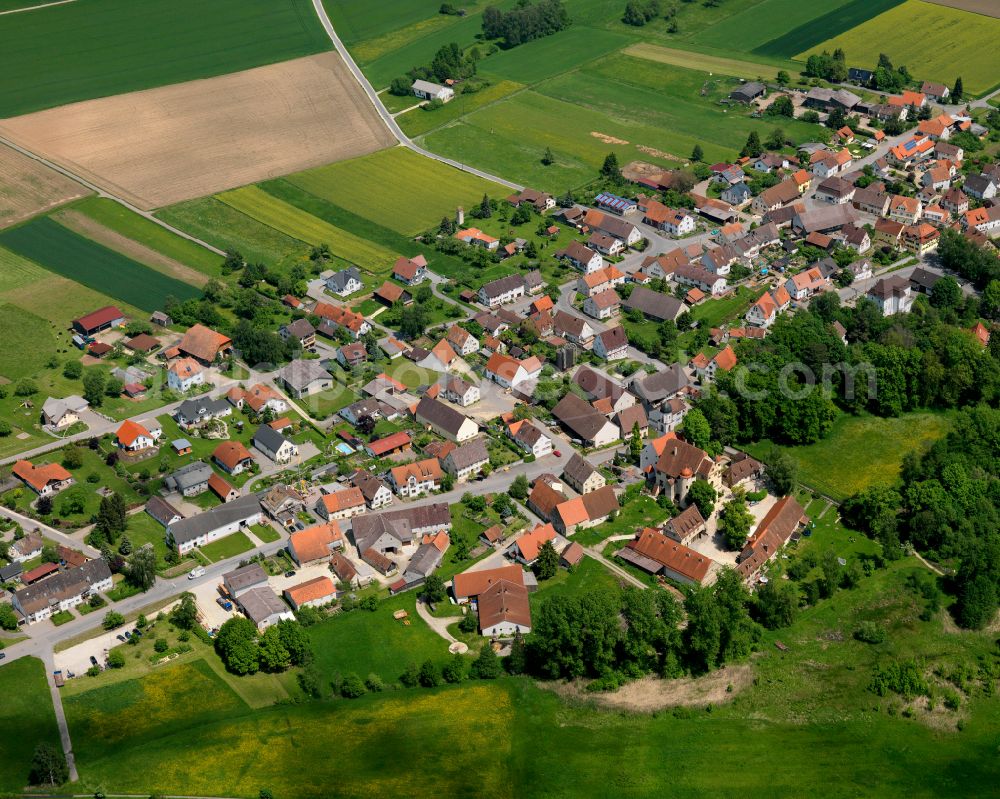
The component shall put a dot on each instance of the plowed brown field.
(28, 187)
(178, 142)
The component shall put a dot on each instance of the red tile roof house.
(313, 593)
(233, 457)
(341, 504)
(410, 270)
(656, 553)
(134, 437)
(45, 480)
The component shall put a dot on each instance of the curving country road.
(383, 112)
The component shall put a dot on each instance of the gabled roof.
(473, 583)
(343, 500)
(427, 469)
(529, 543)
(129, 431)
(678, 558)
(504, 601)
(230, 453)
(39, 476)
(579, 416)
(203, 343)
(315, 543)
(313, 590)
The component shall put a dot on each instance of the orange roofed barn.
(204, 344)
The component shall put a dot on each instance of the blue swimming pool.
(343, 448)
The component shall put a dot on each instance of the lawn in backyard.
(78, 51)
(120, 219)
(26, 709)
(586, 577)
(960, 41)
(226, 228)
(364, 642)
(73, 256)
(861, 451)
(136, 736)
(714, 312)
(227, 547)
(637, 513)
(397, 188)
(269, 210)
(144, 529)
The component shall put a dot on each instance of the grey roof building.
(342, 281)
(199, 410)
(162, 511)
(654, 304)
(244, 578)
(263, 607)
(655, 388)
(245, 510)
(424, 561)
(305, 377)
(190, 479)
(402, 525)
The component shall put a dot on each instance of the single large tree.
(703, 495)
(547, 563)
(141, 570)
(735, 522)
(236, 644)
(48, 766)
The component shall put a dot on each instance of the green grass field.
(396, 52)
(397, 188)
(862, 451)
(554, 54)
(16, 271)
(75, 257)
(809, 702)
(960, 40)
(89, 49)
(713, 313)
(703, 62)
(421, 120)
(26, 709)
(366, 642)
(811, 26)
(115, 216)
(226, 228)
(292, 221)
(26, 334)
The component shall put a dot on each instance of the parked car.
(128, 634)
(224, 603)
(557, 453)
(93, 661)
(121, 638)
(196, 572)
(290, 573)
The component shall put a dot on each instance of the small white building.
(426, 90)
(185, 373)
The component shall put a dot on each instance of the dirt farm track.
(174, 143)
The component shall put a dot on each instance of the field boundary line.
(35, 8)
(104, 193)
(383, 112)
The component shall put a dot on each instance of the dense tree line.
(829, 67)
(949, 507)
(525, 22)
(979, 264)
(924, 359)
(243, 651)
(613, 635)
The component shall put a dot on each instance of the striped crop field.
(73, 256)
(397, 188)
(956, 43)
(258, 204)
